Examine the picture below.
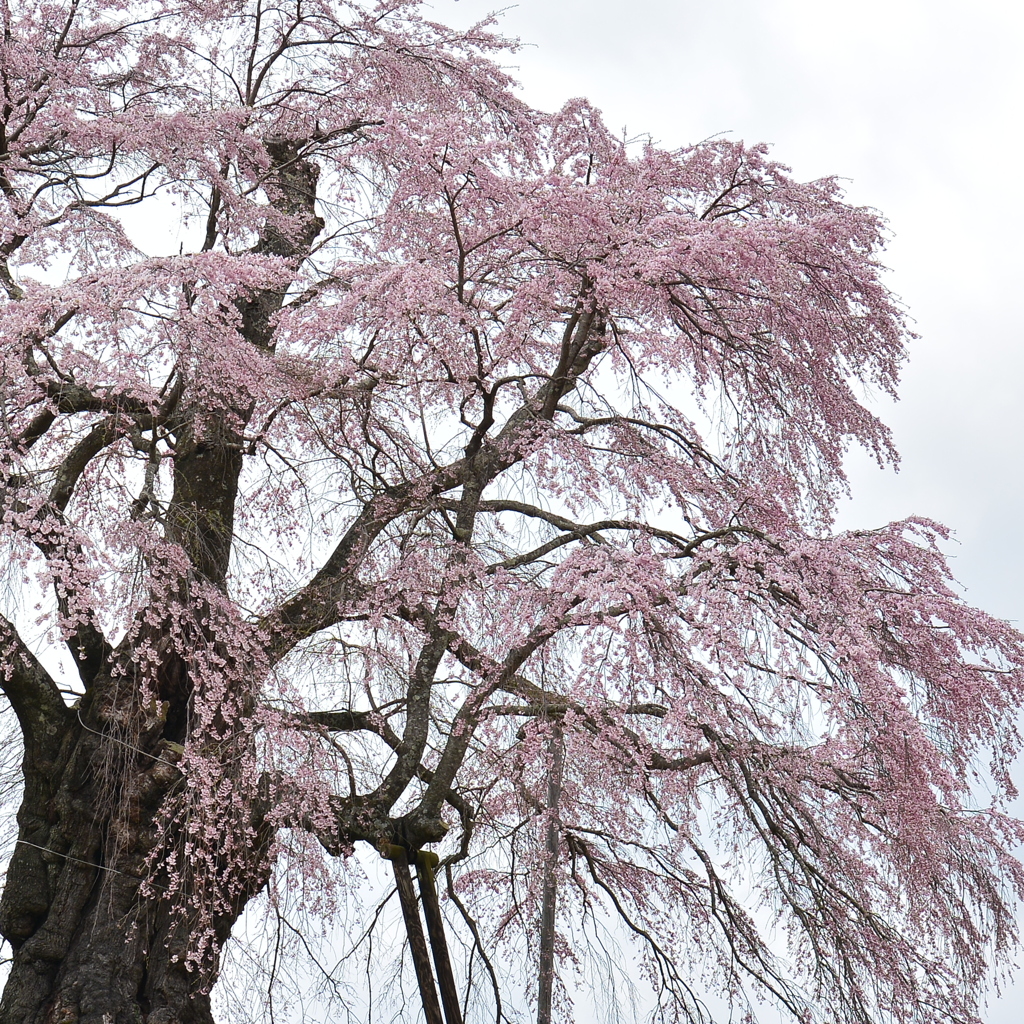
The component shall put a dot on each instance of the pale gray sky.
(918, 103)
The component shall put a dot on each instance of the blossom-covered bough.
(385, 462)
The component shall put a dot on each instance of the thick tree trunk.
(92, 944)
(97, 938)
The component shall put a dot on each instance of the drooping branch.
(49, 532)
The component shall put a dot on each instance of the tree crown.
(413, 427)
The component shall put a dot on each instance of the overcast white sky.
(918, 103)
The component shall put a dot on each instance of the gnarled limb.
(34, 696)
(316, 605)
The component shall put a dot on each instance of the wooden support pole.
(425, 864)
(549, 884)
(414, 930)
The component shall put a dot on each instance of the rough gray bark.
(91, 946)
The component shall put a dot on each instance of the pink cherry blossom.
(393, 465)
